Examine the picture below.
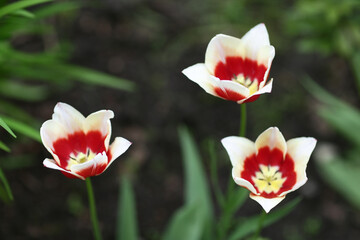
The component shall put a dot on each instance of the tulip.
(79, 145)
(236, 69)
(270, 168)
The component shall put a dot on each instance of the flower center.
(247, 82)
(268, 179)
(80, 158)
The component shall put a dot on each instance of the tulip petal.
(50, 163)
(118, 147)
(266, 89)
(238, 149)
(272, 138)
(69, 117)
(265, 56)
(199, 74)
(220, 47)
(232, 91)
(267, 203)
(93, 167)
(255, 39)
(241, 181)
(300, 150)
(100, 121)
(50, 131)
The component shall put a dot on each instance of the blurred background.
(127, 56)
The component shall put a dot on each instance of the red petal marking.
(251, 99)
(76, 143)
(228, 94)
(234, 66)
(92, 170)
(269, 157)
(68, 175)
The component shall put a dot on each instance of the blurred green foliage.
(33, 76)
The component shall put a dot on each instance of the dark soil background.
(149, 43)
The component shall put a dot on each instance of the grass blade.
(23, 128)
(6, 127)
(13, 7)
(127, 225)
(6, 185)
(249, 225)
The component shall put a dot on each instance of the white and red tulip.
(236, 69)
(79, 145)
(270, 168)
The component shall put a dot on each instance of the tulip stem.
(92, 207)
(243, 120)
(260, 225)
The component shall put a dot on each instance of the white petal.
(98, 160)
(295, 187)
(199, 74)
(272, 138)
(118, 147)
(51, 131)
(220, 47)
(266, 89)
(238, 149)
(300, 150)
(69, 117)
(265, 56)
(225, 85)
(100, 121)
(255, 39)
(240, 181)
(50, 163)
(267, 203)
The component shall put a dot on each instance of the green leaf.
(23, 13)
(127, 225)
(23, 128)
(56, 8)
(6, 185)
(4, 147)
(193, 220)
(187, 223)
(249, 225)
(23, 92)
(6, 127)
(342, 116)
(13, 7)
(344, 177)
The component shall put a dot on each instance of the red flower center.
(236, 66)
(269, 172)
(78, 144)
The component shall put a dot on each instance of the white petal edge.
(233, 86)
(50, 163)
(273, 138)
(266, 89)
(300, 150)
(266, 56)
(51, 131)
(267, 203)
(69, 117)
(238, 149)
(255, 39)
(295, 187)
(100, 121)
(220, 47)
(118, 147)
(199, 74)
(240, 181)
(99, 159)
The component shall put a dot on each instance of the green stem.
(243, 120)
(92, 206)
(260, 225)
(229, 207)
